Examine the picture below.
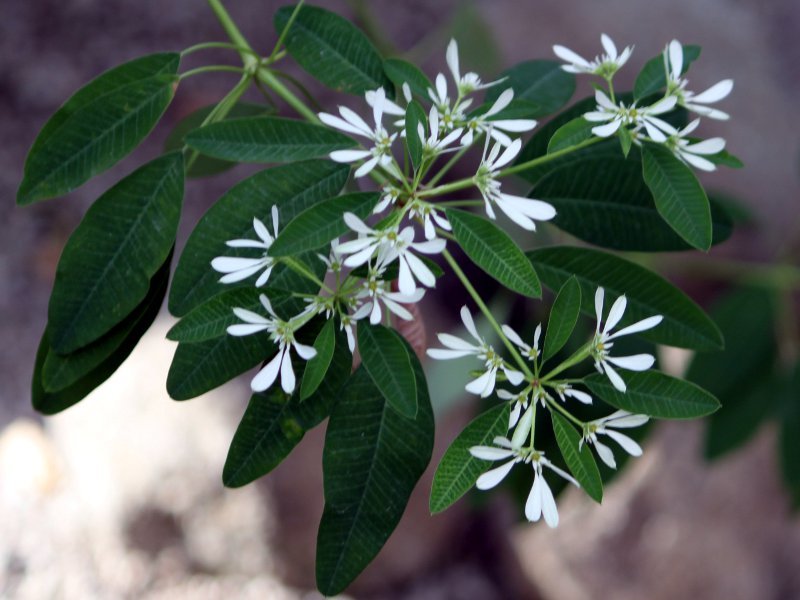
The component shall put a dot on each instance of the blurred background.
(120, 496)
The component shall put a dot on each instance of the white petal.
(359, 258)
(483, 385)
(549, 508)
(613, 376)
(456, 343)
(569, 56)
(264, 277)
(421, 271)
(376, 314)
(262, 231)
(615, 314)
(245, 244)
(625, 420)
(304, 352)
(231, 264)
(642, 325)
(606, 455)
(241, 329)
(675, 58)
(442, 354)
(698, 162)
(514, 377)
(441, 88)
(515, 125)
(513, 417)
(627, 443)
(452, 60)
(341, 124)
(523, 429)
(355, 120)
(709, 146)
(432, 246)
(466, 318)
(579, 396)
(599, 295)
(715, 93)
(596, 116)
(266, 376)
(637, 362)
(535, 209)
(502, 101)
(533, 505)
(348, 156)
(603, 100)
(490, 452)
(248, 316)
(607, 130)
(608, 46)
(405, 280)
(398, 310)
(514, 337)
(508, 154)
(491, 478)
(367, 167)
(664, 105)
(287, 373)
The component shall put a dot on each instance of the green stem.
(551, 403)
(249, 56)
(450, 163)
(210, 45)
(285, 31)
(486, 312)
(533, 423)
(268, 78)
(458, 203)
(210, 69)
(547, 157)
(300, 268)
(611, 90)
(446, 188)
(580, 355)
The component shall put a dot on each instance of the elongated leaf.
(372, 460)
(267, 140)
(107, 264)
(61, 371)
(415, 115)
(385, 358)
(495, 252)
(653, 77)
(274, 424)
(606, 202)
(333, 50)
(570, 134)
(684, 325)
(317, 367)
(542, 84)
(99, 125)
(212, 318)
(459, 470)
(679, 197)
(292, 188)
(401, 71)
(205, 166)
(655, 394)
(81, 370)
(579, 458)
(563, 317)
(316, 226)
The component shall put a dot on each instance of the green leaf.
(570, 134)
(653, 77)
(459, 470)
(625, 140)
(655, 394)
(495, 252)
(415, 115)
(372, 460)
(684, 325)
(317, 367)
(563, 317)
(385, 358)
(333, 50)
(292, 188)
(401, 71)
(267, 140)
(212, 318)
(78, 374)
(789, 437)
(274, 423)
(98, 126)
(542, 84)
(679, 197)
(605, 201)
(316, 226)
(62, 371)
(108, 262)
(205, 166)
(578, 457)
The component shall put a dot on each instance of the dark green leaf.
(655, 394)
(459, 470)
(563, 316)
(653, 77)
(274, 423)
(495, 252)
(625, 140)
(317, 367)
(372, 460)
(107, 264)
(606, 202)
(579, 458)
(789, 440)
(385, 358)
(99, 125)
(267, 140)
(333, 50)
(541, 83)
(570, 134)
(205, 166)
(401, 71)
(316, 226)
(684, 325)
(679, 197)
(415, 116)
(292, 188)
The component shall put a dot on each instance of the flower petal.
(637, 362)
(490, 452)
(266, 376)
(491, 478)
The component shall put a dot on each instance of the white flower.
(389, 196)
(469, 82)
(346, 324)
(431, 217)
(601, 345)
(449, 115)
(521, 210)
(376, 291)
(433, 145)
(693, 152)
(497, 127)
(604, 65)
(565, 390)
(530, 352)
(605, 426)
(540, 500)
(239, 268)
(616, 116)
(282, 333)
(455, 347)
(350, 122)
(520, 402)
(390, 245)
(676, 86)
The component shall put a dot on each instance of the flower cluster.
(642, 122)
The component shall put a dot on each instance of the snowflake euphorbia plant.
(299, 264)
